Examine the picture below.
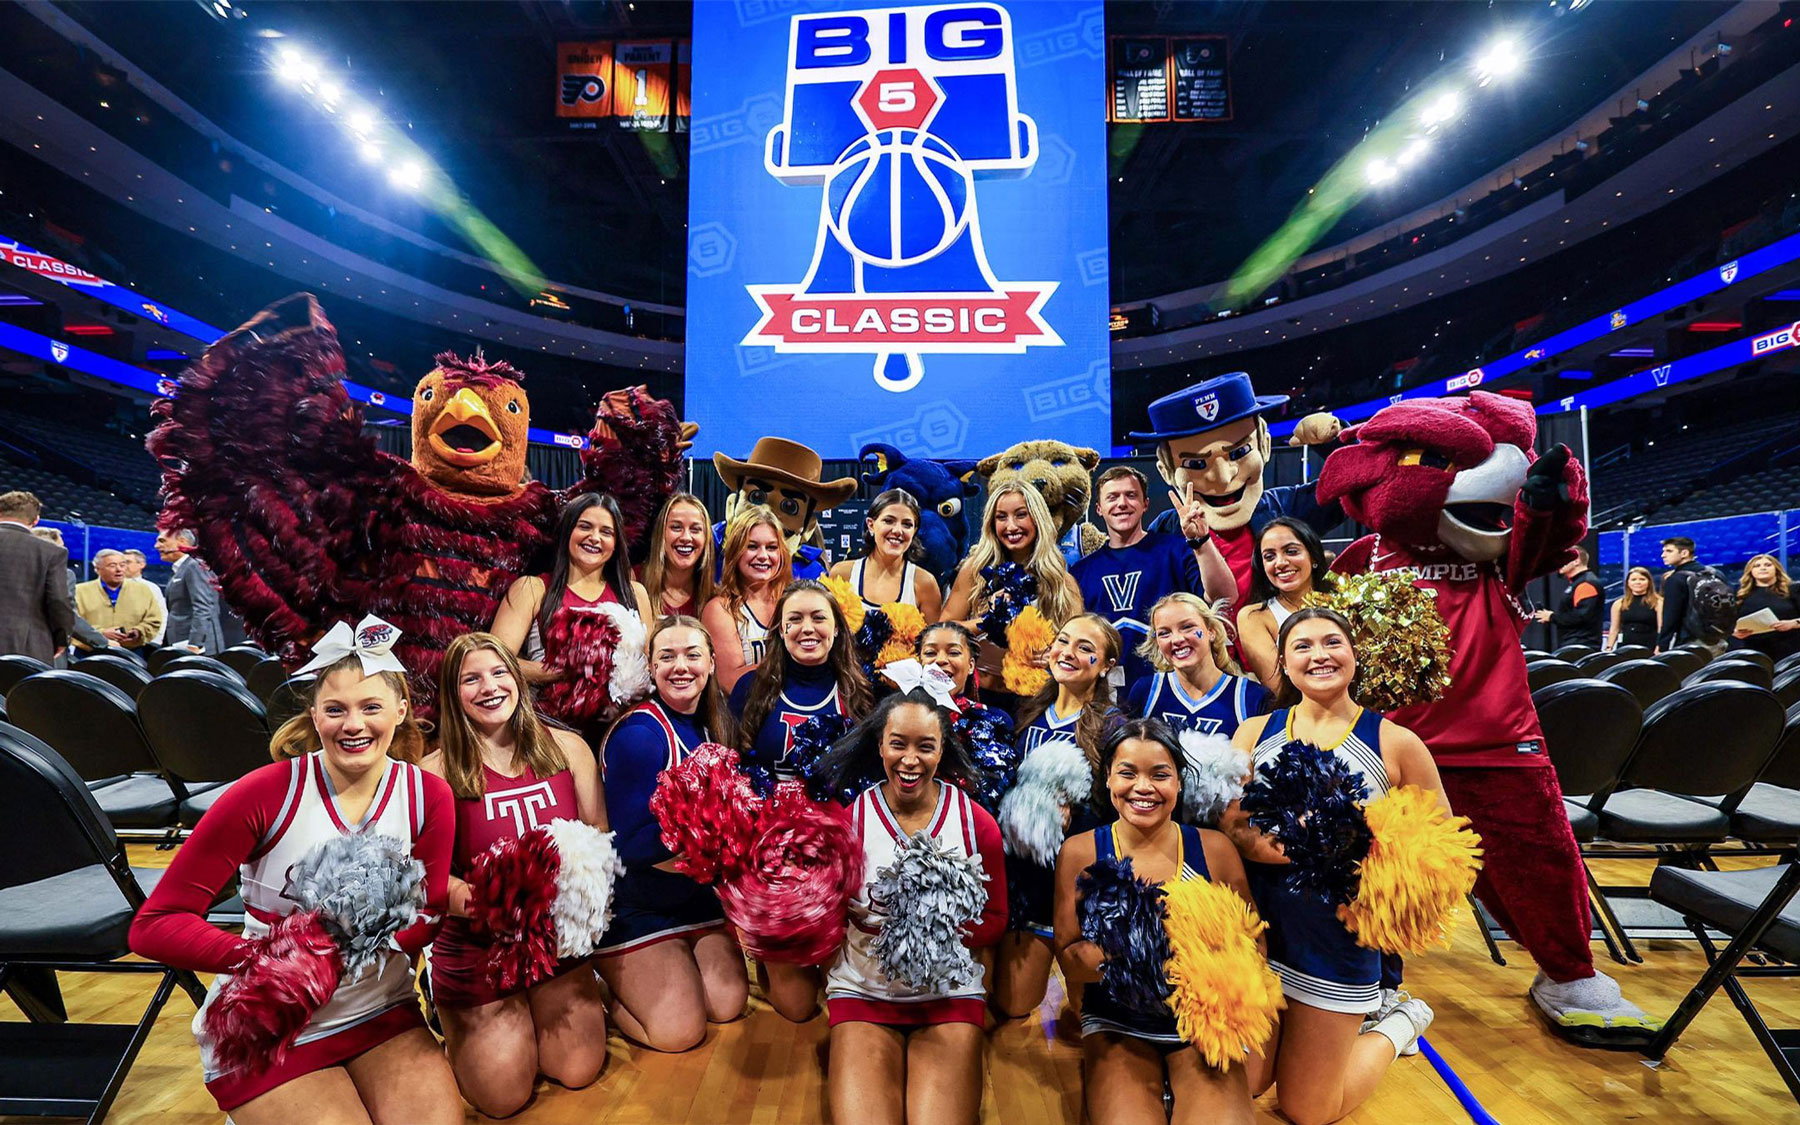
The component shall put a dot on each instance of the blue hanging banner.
(897, 226)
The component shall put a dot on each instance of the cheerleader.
(886, 573)
(896, 1053)
(1321, 1061)
(1075, 706)
(668, 960)
(1290, 564)
(1015, 527)
(1197, 685)
(344, 766)
(756, 570)
(510, 773)
(813, 671)
(1128, 1055)
(678, 576)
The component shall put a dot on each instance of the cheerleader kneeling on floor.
(907, 1019)
(510, 773)
(343, 787)
(1326, 1058)
(1128, 1053)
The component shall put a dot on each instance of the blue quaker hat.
(1207, 406)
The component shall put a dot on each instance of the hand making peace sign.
(1190, 511)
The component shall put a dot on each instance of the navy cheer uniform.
(1122, 583)
(650, 904)
(1033, 887)
(1317, 958)
(806, 691)
(1220, 711)
(1100, 1013)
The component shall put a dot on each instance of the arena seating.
(65, 499)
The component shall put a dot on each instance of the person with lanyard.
(1637, 615)
(1326, 1057)
(678, 575)
(1128, 1055)
(886, 573)
(900, 1053)
(343, 767)
(510, 773)
(1075, 706)
(1138, 567)
(1578, 619)
(668, 959)
(1197, 685)
(814, 671)
(1290, 564)
(757, 570)
(1016, 528)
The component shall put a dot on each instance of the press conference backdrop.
(897, 226)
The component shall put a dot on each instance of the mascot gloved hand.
(1458, 500)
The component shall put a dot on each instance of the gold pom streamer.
(1402, 643)
(908, 623)
(848, 601)
(1226, 996)
(1027, 639)
(1419, 870)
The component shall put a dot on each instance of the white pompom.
(1214, 775)
(589, 870)
(1052, 777)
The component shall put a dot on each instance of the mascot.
(943, 489)
(1458, 500)
(306, 522)
(1063, 475)
(1213, 437)
(784, 475)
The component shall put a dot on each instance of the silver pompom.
(930, 894)
(366, 886)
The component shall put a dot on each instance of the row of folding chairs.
(1652, 679)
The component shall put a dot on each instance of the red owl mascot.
(306, 522)
(1457, 498)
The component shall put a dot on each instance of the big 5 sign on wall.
(897, 226)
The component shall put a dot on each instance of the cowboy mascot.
(784, 475)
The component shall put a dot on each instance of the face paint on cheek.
(1093, 660)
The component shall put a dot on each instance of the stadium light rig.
(1501, 58)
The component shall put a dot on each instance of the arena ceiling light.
(1441, 109)
(1501, 58)
(1380, 172)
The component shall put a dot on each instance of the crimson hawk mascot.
(305, 521)
(1457, 498)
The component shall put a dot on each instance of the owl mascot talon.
(306, 522)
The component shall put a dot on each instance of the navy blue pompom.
(988, 734)
(1126, 917)
(1009, 589)
(1310, 801)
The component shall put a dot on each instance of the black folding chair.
(66, 905)
(1590, 729)
(242, 658)
(1685, 661)
(156, 659)
(1769, 814)
(1635, 652)
(1596, 662)
(1787, 687)
(120, 671)
(94, 726)
(1649, 680)
(1573, 652)
(1787, 663)
(292, 697)
(265, 677)
(1753, 655)
(1741, 671)
(204, 663)
(203, 728)
(1536, 654)
(15, 667)
(1541, 674)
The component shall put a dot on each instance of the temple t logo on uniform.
(522, 804)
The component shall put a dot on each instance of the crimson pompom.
(791, 901)
(581, 643)
(255, 1016)
(511, 888)
(709, 814)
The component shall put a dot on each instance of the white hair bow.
(372, 641)
(932, 680)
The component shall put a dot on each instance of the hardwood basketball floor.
(763, 1069)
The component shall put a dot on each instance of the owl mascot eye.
(306, 522)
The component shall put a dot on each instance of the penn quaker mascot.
(1457, 498)
(306, 522)
(1213, 438)
(784, 475)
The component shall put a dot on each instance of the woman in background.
(886, 572)
(678, 576)
(1290, 564)
(1637, 614)
(1765, 586)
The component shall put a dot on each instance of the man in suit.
(126, 612)
(35, 614)
(193, 599)
(135, 563)
(80, 630)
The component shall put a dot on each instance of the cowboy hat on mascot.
(785, 476)
(1457, 498)
(1213, 437)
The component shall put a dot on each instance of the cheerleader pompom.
(1008, 588)
(806, 757)
(708, 812)
(1027, 638)
(1125, 917)
(264, 1005)
(511, 888)
(928, 895)
(1223, 993)
(1052, 778)
(583, 643)
(790, 903)
(848, 600)
(1310, 802)
(588, 871)
(630, 680)
(366, 887)
(1214, 775)
(905, 623)
(988, 734)
(1420, 868)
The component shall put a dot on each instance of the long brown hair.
(1747, 583)
(1651, 597)
(534, 745)
(854, 697)
(656, 567)
(298, 736)
(1287, 693)
(737, 536)
(1098, 712)
(714, 717)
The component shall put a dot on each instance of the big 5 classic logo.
(898, 113)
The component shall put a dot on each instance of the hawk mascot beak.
(464, 434)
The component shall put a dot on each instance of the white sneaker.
(1405, 1024)
(1391, 999)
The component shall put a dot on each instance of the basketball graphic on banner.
(898, 197)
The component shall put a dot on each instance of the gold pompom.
(848, 601)
(1027, 639)
(1226, 996)
(1402, 644)
(908, 623)
(1421, 865)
